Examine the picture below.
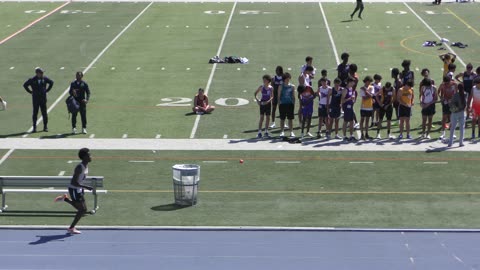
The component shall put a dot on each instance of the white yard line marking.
(12, 67)
(329, 34)
(158, 136)
(210, 78)
(435, 33)
(5, 157)
(141, 161)
(91, 136)
(215, 161)
(287, 162)
(435, 162)
(62, 96)
(61, 173)
(225, 136)
(124, 136)
(71, 161)
(412, 260)
(33, 23)
(361, 162)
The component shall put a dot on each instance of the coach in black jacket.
(38, 87)
(80, 91)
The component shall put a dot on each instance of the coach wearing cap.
(38, 86)
(80, 91)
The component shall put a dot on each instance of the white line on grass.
(141, 161)
(33, 23)
(61, 173)
(6, 155)
(435, 162)
(225, 136)
(329, 34)
(92, 136)
(210, 78)
(124, 136)
(431, 30)
(215, 161)
(62, 96)
(287, 162)
(361, 162)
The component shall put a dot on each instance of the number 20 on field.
(184, 102)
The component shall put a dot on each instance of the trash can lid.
(186, 167)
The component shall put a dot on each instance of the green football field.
(144, 63)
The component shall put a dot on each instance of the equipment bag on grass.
(72, 105)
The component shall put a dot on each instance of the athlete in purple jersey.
(306, 101)
(277, 80)
(348, 100)
(265, 104)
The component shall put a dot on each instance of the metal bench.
(46, 184)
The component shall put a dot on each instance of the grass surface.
(324, 189)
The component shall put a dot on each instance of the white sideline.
(231, 145)
(214, 67)
(231, 1)
(334, 47)
(237, 228)
(435, 33)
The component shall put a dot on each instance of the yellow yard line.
(463, 21)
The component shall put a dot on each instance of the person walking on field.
(38, 86)
(81, 92)
(76, 189)
(457, 116)
(358, 7)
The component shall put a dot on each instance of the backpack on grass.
(72, 105)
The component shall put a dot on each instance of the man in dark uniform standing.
(38, 86)
(80, 91)
(358, 7)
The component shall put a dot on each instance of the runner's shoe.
(60, 198)
(74, 231)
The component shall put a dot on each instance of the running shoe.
(309, 134)
(282, 134)
(409, 136)
(292, 134)
(319, 135)
(60, 198)
(391, 137)
(352, 139)
(356, 126)
(461, 145)
(74, 130)
(266, 135)
(428, 137)
(84, 130)
(338, 137)
(74, 231)
(273, 125)
(259, 135)
(400, 136)
(379, 136)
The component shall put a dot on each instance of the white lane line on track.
(435, 33)
(210, 78)
(287, 162)
(435, 162)
(361, 162)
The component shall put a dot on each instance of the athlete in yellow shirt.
(405, 99)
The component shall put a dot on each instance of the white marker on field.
(286, 26)
(264, 69)
(188, 68)
(61, 173)
(68, 25)
(210, 78)
(367, 26)
(348, 26)
(412, 260)
(88, 25)
(138, 68)
(267, 26)
(388, 26)
(124, 136)
(417, 69)
(408, 26)
(225, 136)
(287, 162)
(148, 26)
(12, 67)
(141, 161)
(62, 68)
(361, 162)
(71, 161)
(215, 161)
(112, 68)
(48, 25)
(246, 26)
(289, 68)
(91, 136)
(365, 69)
(206, 26)
(435, 162)
(9, 25)
(158, 136)
(238, 68)
(307, 27)
(186, 26)
(163, 68)
(108, 26)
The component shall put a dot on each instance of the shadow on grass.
(13, 135)
(169, 207)
(27, 213)
(43, 239)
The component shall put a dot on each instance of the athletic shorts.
(348, 114)
(75, 195)
(322, 111)
(386, 112)
(286, 111)
(307, 111)
(446, 109)
(266, 109)
(404, 111)
(334, 113)
(428, 111)
(376, 106)
(366, 113)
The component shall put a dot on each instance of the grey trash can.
(186, 178)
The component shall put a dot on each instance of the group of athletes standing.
(459, 95)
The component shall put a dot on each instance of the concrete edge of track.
(239, 228)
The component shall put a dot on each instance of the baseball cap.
(38, 70)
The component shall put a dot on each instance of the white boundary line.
(5, 157)
(33, 23)
(334, 47)
(236, 228)
(435, 33)
(214, 67)
(93, 63)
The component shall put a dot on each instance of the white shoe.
(285, 126)
(273, 125)
(356, 126)
(338, 137)
(379, 136)
(292, 134)
(74, 130)
(428, 137)
(391, 137)
(301, 136)
(454, 136)
(84, 130)
(309, 134)
(74, 231)
(282, 134)
(442, 136)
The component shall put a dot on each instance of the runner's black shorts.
(428, 111)
(404, 111)
(386, 112)
(75, 195)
